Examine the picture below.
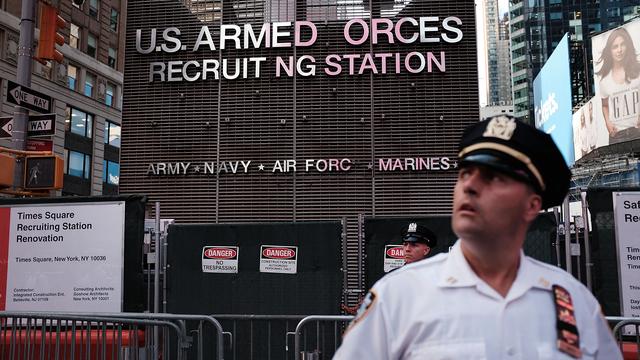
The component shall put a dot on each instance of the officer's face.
(414, 251)
(490, 207)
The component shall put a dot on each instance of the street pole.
(567, 234)
(587, 242)
(23, 77)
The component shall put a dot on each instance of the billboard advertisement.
(616, 65)
(589, 130)
(62, 257)
(552, 99)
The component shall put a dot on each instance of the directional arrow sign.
(6, 125)
(41, 125)
(27, 98)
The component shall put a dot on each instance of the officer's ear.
(534, 205)
(427, 250)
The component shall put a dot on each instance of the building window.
(108, 98)
(92, 46)
(111, 173)
(79, 122)
(114, 20)
(72, 77)
(74, 36)
(78, 164)
(112, 134)
(77, 3)
(93, 8)
(113, 57)
(89, 84)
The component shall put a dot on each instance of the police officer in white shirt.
(485, 299)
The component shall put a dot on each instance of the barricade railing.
(626, 331)
(257, 336)
(323, 346)
(38, 335)
(35, 335)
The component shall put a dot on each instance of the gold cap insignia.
(501, 127)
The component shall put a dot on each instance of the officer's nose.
(471, 180)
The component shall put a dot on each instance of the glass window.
(108, 98)
(111, 134)
(111, 173)
(92, 46)
(74, 36)
(93, 8)
(72, 77)
(89, 83)
(79, 164)
(114, 20)
(79, 122)
(113, 57)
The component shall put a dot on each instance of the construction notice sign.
(393, 257)
(279, 259)
(62, 257)
(220, 259)
(626, 211)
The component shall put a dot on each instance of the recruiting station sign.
(626, 209)
(62, 257)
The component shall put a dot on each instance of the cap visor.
(501, 163)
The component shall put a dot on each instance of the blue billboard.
(552, 99)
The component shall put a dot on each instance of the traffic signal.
(43, 172)
(50, 23)
(7, 164)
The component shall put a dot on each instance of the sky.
(503, 6)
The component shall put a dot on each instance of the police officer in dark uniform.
(417, 242)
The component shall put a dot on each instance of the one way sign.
(41, 125)
(6, 125)
(27, 98)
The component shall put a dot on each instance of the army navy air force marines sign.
(485, 299)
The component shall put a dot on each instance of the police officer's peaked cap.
(520, 151)
(418, 233)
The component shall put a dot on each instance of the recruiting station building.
(289, 111)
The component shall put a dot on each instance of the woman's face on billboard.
(618, 49)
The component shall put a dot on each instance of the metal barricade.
(38, 335)
(257, 336)
(33, 335)
(629, 342)
(324, 348)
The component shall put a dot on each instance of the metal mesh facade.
(360, 117)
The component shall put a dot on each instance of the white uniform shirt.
(438, 308)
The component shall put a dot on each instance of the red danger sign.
(395, 252)
(220, 253)
(278, 253)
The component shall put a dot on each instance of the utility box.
(43, 173)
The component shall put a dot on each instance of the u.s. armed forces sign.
(307, 165)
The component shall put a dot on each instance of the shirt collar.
(458, 273)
